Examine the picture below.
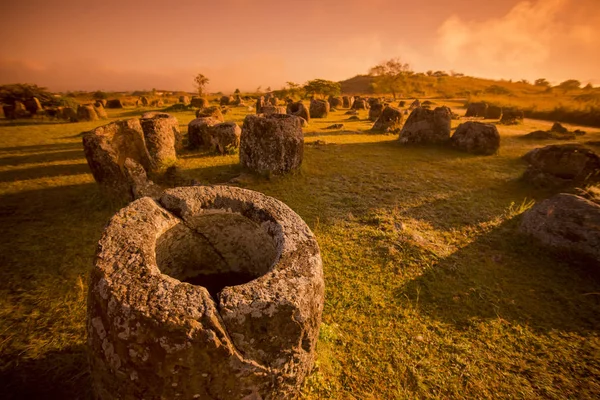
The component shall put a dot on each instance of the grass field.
(431, 292)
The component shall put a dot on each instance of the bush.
(100, 95)
(496, 89)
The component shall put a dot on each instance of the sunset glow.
(128, 45)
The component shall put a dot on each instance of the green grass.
(430, 290)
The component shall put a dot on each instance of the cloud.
(554, 37)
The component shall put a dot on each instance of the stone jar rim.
(166, 299)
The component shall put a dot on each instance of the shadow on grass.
(48, 171)
(41, 148)
(31, 122)
(42, 158)
(472, 207)
(49, 240)
(219, 174)
(504, 275)
(56, 375)
(328, 132)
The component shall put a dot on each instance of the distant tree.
(237, 91)
(525, 81)
(588, 87)
(323, 87)
(541, 82)
(456, 74)
(290, 89)
(268, 89)
(440, 74)
(201, 81)
(99, 95)
(429, 73)
(570, 84)
(259, 89)
(390, 76)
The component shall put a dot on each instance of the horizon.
(127, 46)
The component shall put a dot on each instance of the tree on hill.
(569, 84)
(24, 91)
(390, 76)
(541, 82)
(322, 87)
(201, 81)
(237, 91)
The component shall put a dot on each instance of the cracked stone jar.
(207, 293)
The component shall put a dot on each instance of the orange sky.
(144, 44)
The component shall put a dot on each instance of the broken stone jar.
(207, 293)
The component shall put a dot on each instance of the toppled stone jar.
(208, 293)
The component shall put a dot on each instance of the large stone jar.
(208, 293)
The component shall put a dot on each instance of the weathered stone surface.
(20, 111)
(360, 104)
(375, 111)
(561, 164)
(511, 116)
(9, 111)
(210, 112)
(225, 136)
(389, 120)
(162, 137)
(335, 126)
(477, 110)
(100, 111)
(319, 108)
(138, 181)
(107, 147)
(373, 100)
(272, 144)
(402, 103)
(144, 100)
(68, 114)
(199, 132)
(558, 128)
(103, 102)
(212, 292)
(226, 100)
(114, 103)
(415, 104)
(567, 223)
(347, 101)
(237, 101)
(268, 110)
(427, 126)
(199, 102)
(33, 106)
(86, 112)
(184, 99)
(477, 138)
(299, 110)
(335, 102)
(493, 112)
(260, 103)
